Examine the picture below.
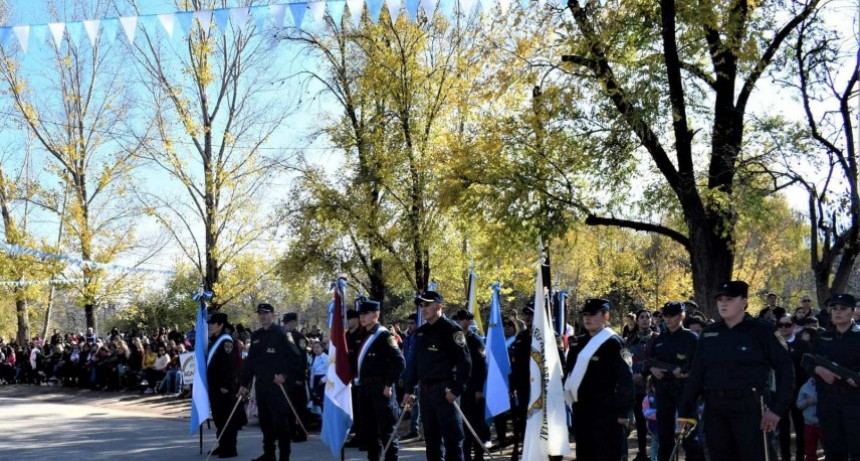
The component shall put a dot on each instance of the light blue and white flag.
(200, 388)
(497, 387)
(337, 414)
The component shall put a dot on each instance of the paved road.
(39, 430)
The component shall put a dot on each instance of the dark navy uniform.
(272, 353)
(677, 349)
(732, 368)
(520, 355)
(298, 393)
(354, 339)
(380, 365)
(839, 403)
(441, 363)
(796, 349)
(222, 374)
(605, 394)
(473, 407)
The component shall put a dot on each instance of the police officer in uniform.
(731, 368)
(441, 367)
(222, 373)
(674, 348)
(472, 401)
(839, 399)
(599, 381)
(276, 363)
(299, 392)
(354, 337)
(380, 365)
(520, 355)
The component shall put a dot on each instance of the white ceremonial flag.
(546, 415)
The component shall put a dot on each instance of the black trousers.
(839, 418)
(792, 417)
(443, 427)
(475, 411)
(275, 419)
(222, 405)
(641, 425)
(599, 437)
(733, 429)
(380, 413)
(299, 397)
(667, 396)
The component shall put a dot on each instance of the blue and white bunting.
(221, 16)
(185, 19)
(57, 30)
(74, 30)
(167, 22)
(92, 28)
(278, 13)
(356, 8)
(297, 10)
(22, 33)
(374, 7)
(129, 27)
(240, 16)
(204, 19)
(429, 7)
(393, 9)
(260, 13)
(317, 10)
(335, 10)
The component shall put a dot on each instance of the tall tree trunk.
(712, 259)
(23, 335)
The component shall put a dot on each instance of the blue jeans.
(173, 381)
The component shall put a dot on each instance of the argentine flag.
(496, 388)
(200, 388)
(337, 410)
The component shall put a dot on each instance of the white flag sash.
(214, 347)
(366, 346)
(571, 386)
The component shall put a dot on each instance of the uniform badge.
(270, 350)
(712, 334)
(392, 342)
(290, 338)
(681, 356)
(303, 343)
(228, 346)
(627, 356)
(460, 338)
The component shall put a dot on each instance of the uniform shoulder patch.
(290, 338)
(627, 356)
(392, 341)
(228, 346)
(460, 338)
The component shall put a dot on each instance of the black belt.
(729, 393)
(369, 381)
(434, 385)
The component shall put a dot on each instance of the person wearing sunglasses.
(785, 328)
(839, 398)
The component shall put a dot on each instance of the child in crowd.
(649, 409)
(806, 401)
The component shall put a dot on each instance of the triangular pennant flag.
(149, 24)
(429, 7)
(110, 29)
(464, 7)
(185, 18)
(278, 12)
(57, 29)
(448, 8)
(166, 21)
(204, 18)
(393, 9)
(74, 30)
(356, 7)
(374, 7)
(22, 33)
(260, 13)
(317, 10)
(335, 10)
(504, 6)
(129, 26)
(5, 35)
(92, 28)
(298, 12)
(412, 9)
(38, 34)
(240, 15)
(221, 16)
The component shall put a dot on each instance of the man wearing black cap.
(222, 375)
(354, 337)
(731, 368)
(380, 364)
(276, 363)
(472, 401)
(520, 355)
(839, 399)
(441, 367)
(669, 357)
(599, 383)
(299, 392)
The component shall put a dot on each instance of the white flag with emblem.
(546, 416)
